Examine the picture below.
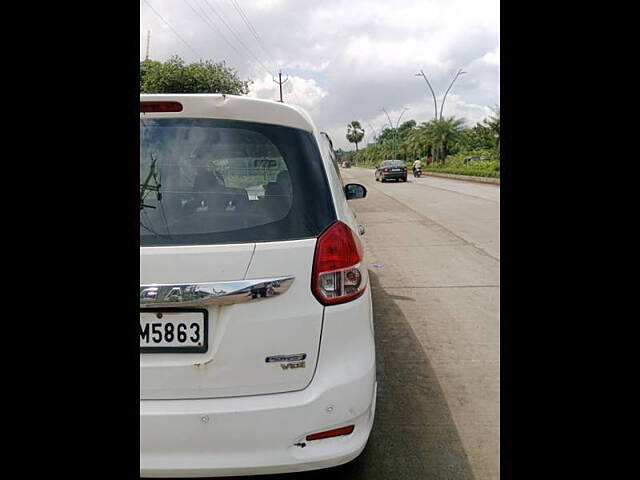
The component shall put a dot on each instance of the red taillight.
(386, 170)
(338, 275)
(154, 107)
(336, 432)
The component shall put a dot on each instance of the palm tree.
(420, 139)
(493, 123)
(355, 133)
(442, 134)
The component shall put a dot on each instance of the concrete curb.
(469, 178)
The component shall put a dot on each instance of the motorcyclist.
(417, 165)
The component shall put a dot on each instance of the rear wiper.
(145, 187)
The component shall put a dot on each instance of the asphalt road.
(438, 288)
(433, 248)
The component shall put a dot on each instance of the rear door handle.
(213, 293)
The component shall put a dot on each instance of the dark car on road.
(391, 170)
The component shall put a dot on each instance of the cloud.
(301, 91)
(346, 60)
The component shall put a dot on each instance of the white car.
(256, 331)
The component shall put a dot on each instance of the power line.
(173, 29)
(252, 30)
(225, 22)
(263, 45)
(210, 24)
(237, 37)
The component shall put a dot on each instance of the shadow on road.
(414, 436)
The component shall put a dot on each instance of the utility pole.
(280, 83)
(146, 57)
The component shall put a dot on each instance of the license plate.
(172, 331)
(396, 169)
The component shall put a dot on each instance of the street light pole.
(460, 72)
(435, 102)
(391, 125)
(375, 134)
(395, 130)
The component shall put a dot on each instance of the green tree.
(355, 133)
(405, 146)
(386, 135)
(443, 133)
(145, 67)
(405, 128)
(493, 124)
(174, 76)
(420, 140)
(479, 137)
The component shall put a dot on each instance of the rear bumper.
(244, 439)
(392, 175)
(258, 434)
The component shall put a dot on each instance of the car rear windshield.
(393, 163)
(205, 181)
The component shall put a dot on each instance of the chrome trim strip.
(213, 293)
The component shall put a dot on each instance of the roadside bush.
(455, 164)
(465, 171)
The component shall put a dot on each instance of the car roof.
(232, 107)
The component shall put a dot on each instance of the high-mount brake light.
(155, 107)
(338, 274)
(336, 432)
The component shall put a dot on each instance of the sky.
(345, 60)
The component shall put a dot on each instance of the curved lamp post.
(435, 102)
(375, 134)
(395, 131)
(460, 72)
